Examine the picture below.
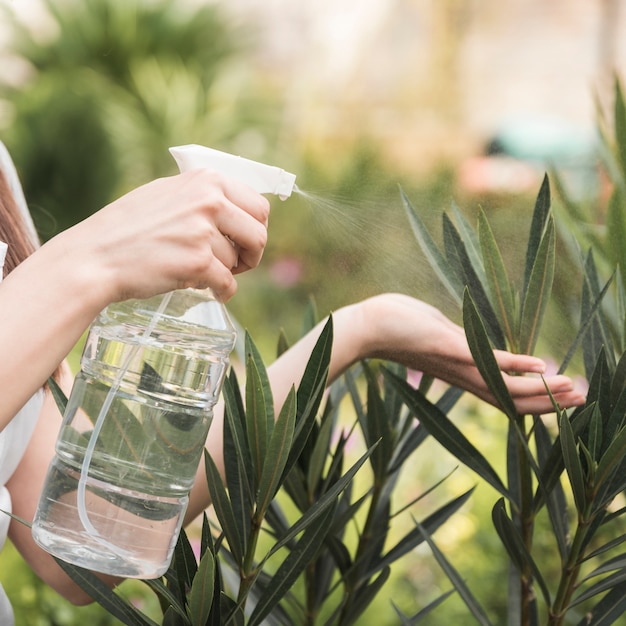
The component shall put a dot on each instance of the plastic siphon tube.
(106, 405)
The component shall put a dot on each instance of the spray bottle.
(139, 413)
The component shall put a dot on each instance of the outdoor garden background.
(357, 99)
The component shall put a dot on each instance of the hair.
(13, 231)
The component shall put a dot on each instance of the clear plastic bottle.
(133, 433)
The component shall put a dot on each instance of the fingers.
(539, 405)
(520, 363)
(244, 221)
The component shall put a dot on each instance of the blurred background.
(465, 101)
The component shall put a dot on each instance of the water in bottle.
(133, 433)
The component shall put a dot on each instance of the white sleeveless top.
(15, 437)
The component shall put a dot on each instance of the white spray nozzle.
(262, 178)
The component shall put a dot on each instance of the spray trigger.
(261, 177)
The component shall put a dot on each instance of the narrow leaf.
(572, 462)
(447, 434)
(184, 561)
(612, 457)
(321, 505)
(455, 578)
(484, 357)
(256, 416)
(277, 454)
(223, 509)
(291, 568)
(540, 216)
(619, 113)
(497, 279)
(57, 393)
(514, 545)
(202, 589)
(608, 610)
(538, 291)
(554, 495)
(471, 240)
(169, 597)
(437, 261)
(105, 597)
(455, 249)
(415, 537)
(603, 585)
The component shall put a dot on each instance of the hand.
(419, 336)
(196, 229)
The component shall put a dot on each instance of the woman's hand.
(402, 329)
(196, 229)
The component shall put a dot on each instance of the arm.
(400, 328)
(25, 486)
(174, 232)
(377, 327)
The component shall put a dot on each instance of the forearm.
(45, 305)
(351, 340)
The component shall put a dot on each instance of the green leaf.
(282, 344)
(514, 545)
(616, 225)
(237, 459)
(105, 597)
(258, 410)
(616, 563)
(447, 434)
(224, 510)
(277, 454)
(455, 578)
(471, 241)
(484, 357)
(321, 505)
(415, 537)
(311, 392)
(538, 290)
(554, 495)
(497, 280)
(202, 589)
(437, 261)
(364, 596)
(291, 568)
(185, 564)
(377, 428)
(417, 617)
(320, 452)
(611, 458)
(57, 393)
(572, 462)
(587, 318)
(206, 538)
(172, 618)
(311, 316)
(540, 216)
(456, 251)
(609, 582)
(620, 126)
(554, 464)
(595, 434)
(176, 605)
(608, 610)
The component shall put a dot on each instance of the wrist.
(354, 333)
(77, 272)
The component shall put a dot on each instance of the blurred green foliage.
(117, 85)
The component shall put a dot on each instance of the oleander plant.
(302, 529)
